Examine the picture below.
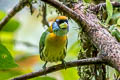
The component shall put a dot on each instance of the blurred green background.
(21, 37)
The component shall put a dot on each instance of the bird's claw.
(64, 63)
(44, 66)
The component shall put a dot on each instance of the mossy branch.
(58, 67)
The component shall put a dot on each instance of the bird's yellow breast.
(55, 41)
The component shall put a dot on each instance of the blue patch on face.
(55, 26)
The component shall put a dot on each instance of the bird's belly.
(53, 55)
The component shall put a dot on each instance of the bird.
(53, 42)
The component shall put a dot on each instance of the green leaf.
(118, 22)
(112, 27)
(115, 32)
(2, 14)
(74, 49)
(117, 74)
(86, 1)
(75, 1)
(11, 26)
(6, 60)
(30, 1)
(43, 78)
(117, 35)
(109, 8)
(7, 74)
(70, 74)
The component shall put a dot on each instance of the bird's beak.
(63, 25)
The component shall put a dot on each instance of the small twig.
(28, 44)
(58, 67)
(31, 7)
(104, 72)
(44, 21)
(16, 9)
(97, 7)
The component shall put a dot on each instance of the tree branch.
(16, 9)
(28, 44)
(58, 67)
(98, 7)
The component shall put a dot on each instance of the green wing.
(65, 49)
(42, 41)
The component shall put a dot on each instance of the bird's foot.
(44, 66)
(64, 63)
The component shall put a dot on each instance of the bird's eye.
(66, 21)
(61, 21)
